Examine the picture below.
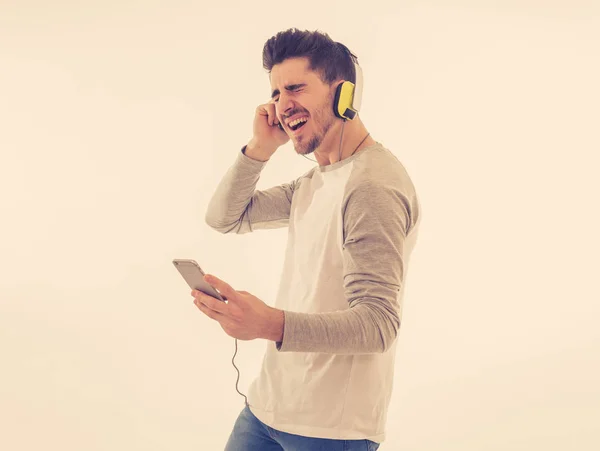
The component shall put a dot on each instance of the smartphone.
(194, 276)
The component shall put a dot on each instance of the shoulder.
(306, 176)
(378, 169)
(380, 183)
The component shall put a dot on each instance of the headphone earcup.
(344, 97)
(336, 101)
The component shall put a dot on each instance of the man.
(327, 376)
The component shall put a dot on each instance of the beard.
(309, 144)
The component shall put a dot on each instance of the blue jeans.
(251, 434)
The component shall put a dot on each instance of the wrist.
(276, 325)
(254, 151)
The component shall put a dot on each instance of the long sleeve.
(237, 207)
(377, 218)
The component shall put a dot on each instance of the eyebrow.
(289, 88)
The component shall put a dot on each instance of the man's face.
(299, 93)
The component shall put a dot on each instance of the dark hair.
(329, 59)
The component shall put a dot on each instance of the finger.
(204, 309)
(212, 303)
(224, 288)
(210, 309)
(262, 110)
(273, 120)
(196, 293)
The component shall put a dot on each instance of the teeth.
(297, 121)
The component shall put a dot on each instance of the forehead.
(292, 70)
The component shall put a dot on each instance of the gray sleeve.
(237, 207)
(376, 217)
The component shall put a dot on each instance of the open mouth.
(298, 124)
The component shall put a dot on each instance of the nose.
(284, 106)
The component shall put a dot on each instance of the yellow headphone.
(348, 97)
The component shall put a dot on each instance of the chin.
(308, 145)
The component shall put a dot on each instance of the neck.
(354, 132)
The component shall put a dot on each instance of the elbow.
(381, 329)
(211, 222)
(224, 227)
(387, 343)
(216, 225)
(389, 334)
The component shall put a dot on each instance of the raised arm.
(237, 207)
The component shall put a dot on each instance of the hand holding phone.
(194, 276)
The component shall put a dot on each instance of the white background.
(117, 121)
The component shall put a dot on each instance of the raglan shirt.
(352, 226)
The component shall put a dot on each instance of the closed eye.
(295, 88)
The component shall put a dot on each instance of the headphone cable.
(238, 371)
(340, 149)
